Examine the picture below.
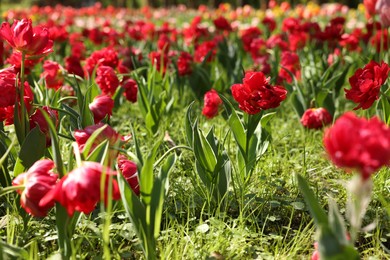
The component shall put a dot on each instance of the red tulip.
(52, 74)
(366, 84)
(184, 63)
(131, 90)
(382, 8)
(107, 80)
(358, 143)
(37, 181)
(316, 118)
(222, 24)
(79, 190)
(256, 94)
(106, 57)
(101, 107)
(212, 101)
(73, 66)
(26, 39)
(108, 133)
(37, 119)
(7, 87)
(129, 171)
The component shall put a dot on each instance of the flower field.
(228, 133)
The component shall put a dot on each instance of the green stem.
(169, 151)
(23, 111)
(4, 191)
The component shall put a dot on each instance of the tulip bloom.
(366, 84)
(212, 101)
(79, 190)
(131, 90)
(26, 39)
(108, 133)
(316, 118)
(184, 63)
(37, 181)
(358, 143)
(382, 8)
(129, 172)
(52, 73)
(101, 107)
(107, 80)
(37, 119)
(7, 87)
(256, 94)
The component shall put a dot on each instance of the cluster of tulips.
(64, 77)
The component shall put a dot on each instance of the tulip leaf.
(92, 141)
(160, 189)
(57, 157)
(337, 223)
(316, 210)
(235, 125)
(99, 153)
(7, 250)
(188, 124)
(33, 149)
(203, 151)
(146, 176)
(86, 114)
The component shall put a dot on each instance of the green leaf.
(135, 210)
(160, 189)
(146, 176)
(13, 251)
(86, 114)
(32, 150)
(316, 210)
(55, 145)
(235, 125)
(137, 149)
(203, 151)
(98, 154)
(336, 223)
(92, 140)
(189, 125)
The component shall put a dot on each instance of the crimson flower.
(358, 143)
(106, 56)
(131, 90)
(37, 181)
(52, 73)
(108, 133)
(222, 24)
(382, 7)
(256, 94)
(129, 171)
(184, 63)
(79, 190)
(212, 101)
(37, 119)
(205, 49)
(7, 87)
(26, 39)
(73, 66)
(366, 84)
(316, 118)
(107, 80)
(101, 107)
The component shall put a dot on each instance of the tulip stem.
(169, 151)
(77, 154)
(4, 191)
(21, 94)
